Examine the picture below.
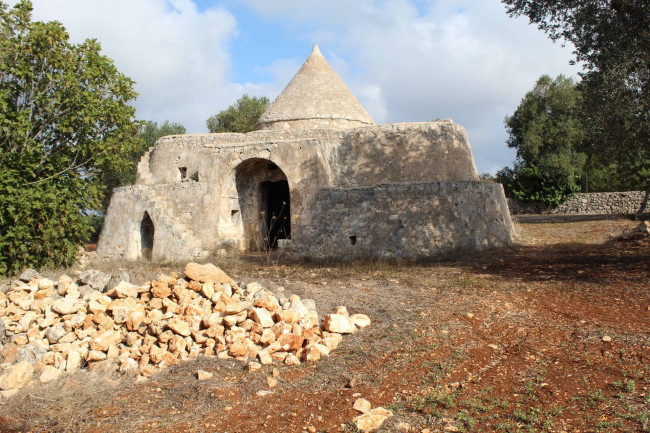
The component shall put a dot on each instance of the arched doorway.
(147, 232)
(265, 203)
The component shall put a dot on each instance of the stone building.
(317, 178)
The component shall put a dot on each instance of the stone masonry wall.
(598, 203)
(406, 221)
(602, 203)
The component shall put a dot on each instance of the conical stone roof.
(315, 98)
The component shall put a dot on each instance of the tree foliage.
(65, 119)
(612, 40)
(546, 131)
(239, 117)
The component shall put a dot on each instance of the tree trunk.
(644, 203)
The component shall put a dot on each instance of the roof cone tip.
(316, 97)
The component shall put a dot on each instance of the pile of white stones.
(55, 327)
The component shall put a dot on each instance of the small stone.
(207, 272)
(95, 355)
(29, 275)
(116, 279)
(180, 327)
(160, 289)
(204, 375)
(49, 373)
(73, 362)
(287, 316)
(339, 324)
(98, 280)
(606, 338)
(470, 315)
(290, 342)
(265, 357)
(360, 320)
(291, 359)
(123, 290)
(362, 405)
(238, 348)
(372, 420)
(207, 289)
(271, 382)
(236, 308)
(62, 284)
(104, 339)
(16, 376)
(55, 333)
(95, 307)
(254, 366)
(45, 284)
(134, 320)
(66, 306)
(263, 317)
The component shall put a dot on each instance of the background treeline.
(593, 135)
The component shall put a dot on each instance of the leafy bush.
(65, 120)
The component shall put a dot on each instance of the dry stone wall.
(406, 221)
(621, 203)
(598, 203)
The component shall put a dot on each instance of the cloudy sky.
(405, 60)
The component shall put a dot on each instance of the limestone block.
(339, 324)
(207, 272)
(373, 419)
(16, 376)
(49, 373)
(263, 317)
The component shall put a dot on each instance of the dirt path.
(552, 334)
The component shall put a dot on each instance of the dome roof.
(315, 98)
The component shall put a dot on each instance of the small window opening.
(234, 215)
(195, 176)
(353, 240)
(183, 171)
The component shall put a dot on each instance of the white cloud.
(178, 57)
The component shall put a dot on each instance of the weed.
(478, 405)
(441, 398)
(526, 416)
(465, 420)
(351, 427)
(507, 427)
(397, 407)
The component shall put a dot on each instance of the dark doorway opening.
(147, 231)
(276, 207)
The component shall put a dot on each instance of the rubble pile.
(107, 324)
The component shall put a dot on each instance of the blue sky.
(405, 60)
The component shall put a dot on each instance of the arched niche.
(264, 197)
(147, 233)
